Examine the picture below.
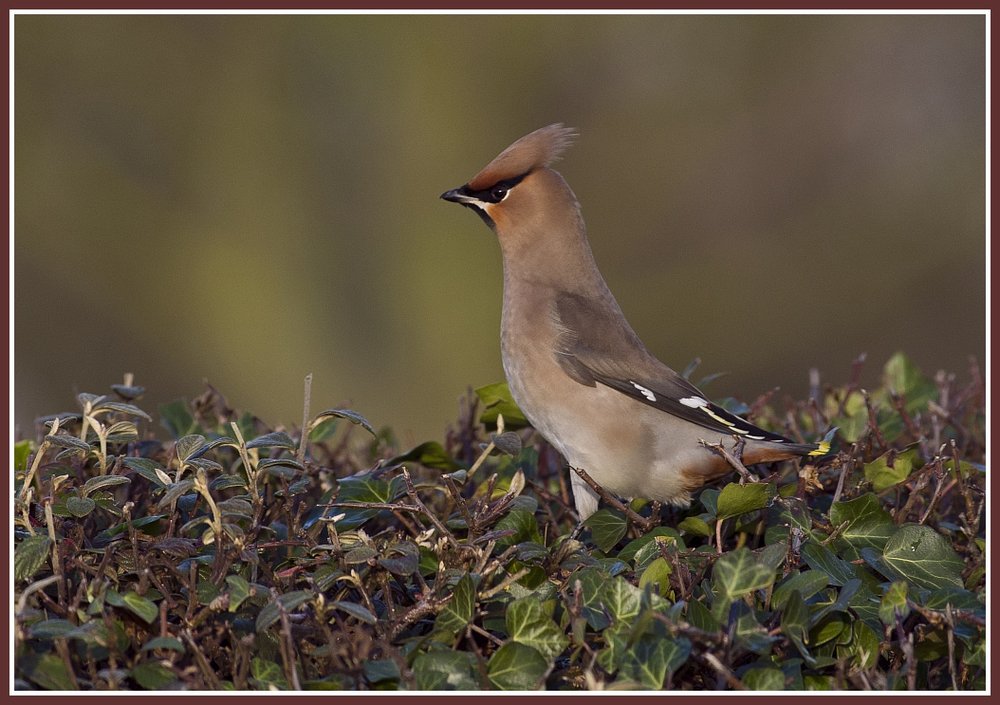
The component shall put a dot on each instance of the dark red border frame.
(915, 5)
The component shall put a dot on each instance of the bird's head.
(516, 193)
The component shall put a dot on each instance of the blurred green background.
(246, 199)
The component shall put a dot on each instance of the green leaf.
(795, 622)
(496, 400)
(352, 416)
(652, 659)
(736, 499)
(146, 467)
(290, 601)
(590, 582)
(522, 523)
(621, 599)
(528, 623)
(152, 675)
(515, 666)
(50, 672)
(22, 451)
(430, 454)
(80, 506)
(122, 408)
(174, 492)
(904, 378)
(444, 670)
(892, 467)
(239, 590)
(868, 524)
(102, 481)
(64, 440)
(359, 612)
(924, 557)
(806, 584)
(865, 645)
(177, 419)
(402, 558)
(144, 609)
(267, 673)
(458, 612)
(701, 618)
(659, 534)
(276, 439)
(51, 629)
(225, 482)
(696, 526)
(894, 603)
(378, 670)
(735, 574)
(768, 678)
(657, 574)
(187, 446)
(30, 555)
(164, 642)
(607, 527)
(819, 557)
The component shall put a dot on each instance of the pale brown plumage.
(575, 367)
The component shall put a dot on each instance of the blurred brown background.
(246, 199)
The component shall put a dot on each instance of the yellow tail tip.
(822, 448)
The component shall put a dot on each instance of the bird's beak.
(457, 195)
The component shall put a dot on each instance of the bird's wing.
(596, 345)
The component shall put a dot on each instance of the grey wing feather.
(596, 344)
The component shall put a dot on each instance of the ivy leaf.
(239, 590)
(176, 417)
(607, 527)
(458, 612)
(904, 378)
(444, 670)
(696, 526)
(736, 499)
(515, 666)
(868, 524)
(819, 557)
(923, 557)
(497, 400)
(735, 574)
(529, 624)
(652, 659)
(806, 584)
(430, 454)
(767, 678)
(892, 467)
(894, 603)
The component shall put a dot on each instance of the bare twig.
(307, 399)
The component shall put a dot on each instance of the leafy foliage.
(236, 556)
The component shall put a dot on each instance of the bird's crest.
(535, 150)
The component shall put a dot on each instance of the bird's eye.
(498, 193)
